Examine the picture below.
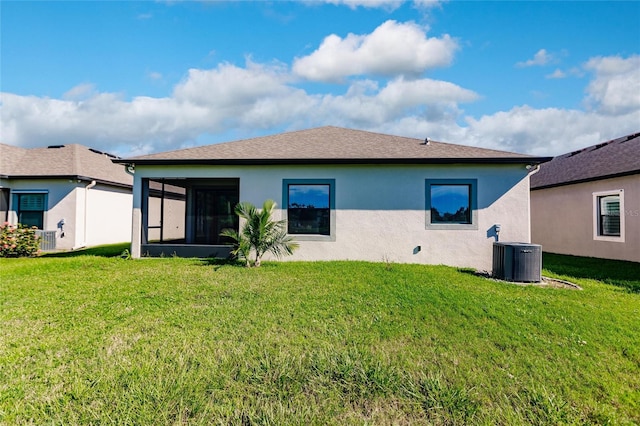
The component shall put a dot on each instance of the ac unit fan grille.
(518, 262)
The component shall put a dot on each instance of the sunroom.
(184, 217)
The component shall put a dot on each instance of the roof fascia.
(71, 177)
(317, 161)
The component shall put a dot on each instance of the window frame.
(473, 204)
(15, 204)
(332, 210)
(597, 235)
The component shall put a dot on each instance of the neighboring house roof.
(62, 161)
(332, 145)
(617, 157)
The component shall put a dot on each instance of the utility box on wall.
(521, 262)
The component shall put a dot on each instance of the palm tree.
(260, 233)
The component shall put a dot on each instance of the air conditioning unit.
(520, 262)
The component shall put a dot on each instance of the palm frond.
(260, 233)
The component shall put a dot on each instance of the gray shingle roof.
(329, 145)
(61, 161)
(617, 157)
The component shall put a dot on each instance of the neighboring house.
(346, 194)
(587, 202)
(74, 192)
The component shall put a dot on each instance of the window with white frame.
(608, 215)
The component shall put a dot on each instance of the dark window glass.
(450, 203)
(609, 207)
(31, 210)
(308, 210)
(214, 211)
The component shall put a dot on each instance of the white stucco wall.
(108, 211)
(108, 215)
(562, 219)
(380, 210)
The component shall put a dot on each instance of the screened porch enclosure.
(184, 217)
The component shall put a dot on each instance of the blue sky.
(134, 77)
(309, 195)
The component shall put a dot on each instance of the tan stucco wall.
(380, 210)
(562, 219)
(174, 221)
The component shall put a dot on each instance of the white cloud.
(558, 73)
(549, 131)
(369, 4)
(79, 92)
(616, 86)
(542, 57)
(428, 4)
(229, 85)
(364, 105)
(389, 5)
(266, 98)
(101, 121)
(391, 49)
(401, 93)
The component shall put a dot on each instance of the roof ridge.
(600, 145)
(370, 132)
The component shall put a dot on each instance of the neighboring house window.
(30, 209)
(4, 204)
(310, 208)
(451, 204)
(608, 218)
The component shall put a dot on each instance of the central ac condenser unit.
(520, 262)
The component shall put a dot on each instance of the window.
(30, 209)
(310, 212)
(4, 204)
(451, 204)
(608, 216)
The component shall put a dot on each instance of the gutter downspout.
(535, 170)
(130, 169)
(136, 221)
(86, 196)
(532, 172)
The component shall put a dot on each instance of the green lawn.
(94, 339)
(615, 272)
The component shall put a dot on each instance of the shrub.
(18, 240)
(260, 234)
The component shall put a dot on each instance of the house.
(73, 193)
(346, 194)
(587, 202)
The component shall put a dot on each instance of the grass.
(614, 272)
(97, 339)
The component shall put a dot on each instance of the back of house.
(346, 194)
